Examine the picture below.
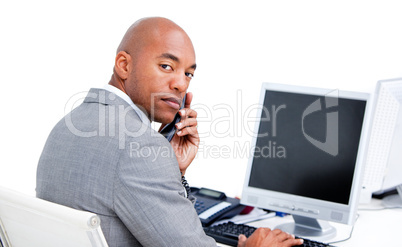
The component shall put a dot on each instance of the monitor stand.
(309, 228)
(394, 201)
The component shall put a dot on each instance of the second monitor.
(314, 171)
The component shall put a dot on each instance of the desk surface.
(375, 226)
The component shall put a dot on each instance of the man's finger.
(189, 122)
(188, 113)
(189, 98)
(276, 231)
(188, 131)
(293, 242)
(242, 241)
(284, 236)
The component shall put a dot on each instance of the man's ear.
(122, 64)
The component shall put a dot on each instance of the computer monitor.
(383, 170)
(307, 157)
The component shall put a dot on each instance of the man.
(104, 157)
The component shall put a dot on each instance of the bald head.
(145, 31)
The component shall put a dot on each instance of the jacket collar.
(106, 97)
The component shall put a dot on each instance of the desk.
(373, 227)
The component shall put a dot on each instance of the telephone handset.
(170, 129)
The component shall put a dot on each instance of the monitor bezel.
(299, 205)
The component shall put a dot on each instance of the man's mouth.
(173, 102)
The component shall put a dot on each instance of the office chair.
(30, 221)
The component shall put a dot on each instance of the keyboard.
(227, 233)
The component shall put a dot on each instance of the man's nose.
(179, 82)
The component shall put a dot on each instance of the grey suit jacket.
(101, 158)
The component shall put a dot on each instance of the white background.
(53, 51)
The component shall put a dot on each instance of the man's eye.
(189, 75)
(167, 67)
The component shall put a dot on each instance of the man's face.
(161, 74)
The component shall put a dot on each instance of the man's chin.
(165, 119)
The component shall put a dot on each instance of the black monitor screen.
(307, 145)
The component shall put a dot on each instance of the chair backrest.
(30, 221)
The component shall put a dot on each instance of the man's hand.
(269, 238)
(186, 140)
